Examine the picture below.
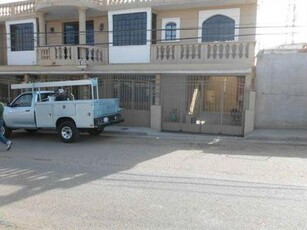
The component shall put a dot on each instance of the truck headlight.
(105, 120)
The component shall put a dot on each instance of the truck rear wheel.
(95, 132)
(68, 132)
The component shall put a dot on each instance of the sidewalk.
(261, 135)
(285, 135)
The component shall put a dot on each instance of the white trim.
(140, 10)
(165, 21)
(233, 13)
(130, 54)
(21, 57)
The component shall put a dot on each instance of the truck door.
(20, 114)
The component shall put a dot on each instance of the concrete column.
(26, 78)
(156, 109)
(82, 31)
(248, 80)
(249, 105)
(82, 26)
(42, 28)
(158, 90)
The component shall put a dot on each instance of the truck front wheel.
(68, 132)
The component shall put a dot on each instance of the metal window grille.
(170, 31)
(218, 28)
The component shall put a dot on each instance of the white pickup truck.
(38, 109)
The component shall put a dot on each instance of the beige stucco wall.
(189, 19)
(54, 38)
(101, 38)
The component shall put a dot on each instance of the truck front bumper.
(104, 121)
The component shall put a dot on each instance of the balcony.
(218, 52)
(170, 53)
(17, 9)
(67, 55)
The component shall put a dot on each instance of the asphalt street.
(124, 182)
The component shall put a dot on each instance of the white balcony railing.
(202, 52)
(72, 55)
(17, 8)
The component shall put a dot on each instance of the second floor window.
(22, 37)
(218, 28)
(170, 31)
(130, 29)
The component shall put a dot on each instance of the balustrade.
(71, 55)
(202, 52)
(17, 8)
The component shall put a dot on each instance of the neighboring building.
(281, 100)
(282, 89)
(176, 65)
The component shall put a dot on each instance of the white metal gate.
(204, 104)
(135, 93)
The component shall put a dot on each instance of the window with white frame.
(130, 29)
(170, 29)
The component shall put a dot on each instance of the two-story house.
(176, 65)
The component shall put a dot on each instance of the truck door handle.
(28, 110)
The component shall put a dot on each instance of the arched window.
(218, 28)
(170, 31)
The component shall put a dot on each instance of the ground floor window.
(134, 92)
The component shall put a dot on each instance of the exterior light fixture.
(101, 27)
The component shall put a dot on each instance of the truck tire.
(5, 131)
(68, 132)
(95, 132)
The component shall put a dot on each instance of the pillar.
(82, 31)
(26, 78)
(156, 109)
(249, 105)
(82, 26)
(42, 28)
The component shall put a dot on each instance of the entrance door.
(71, 33)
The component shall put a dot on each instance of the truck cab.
(20, 113)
